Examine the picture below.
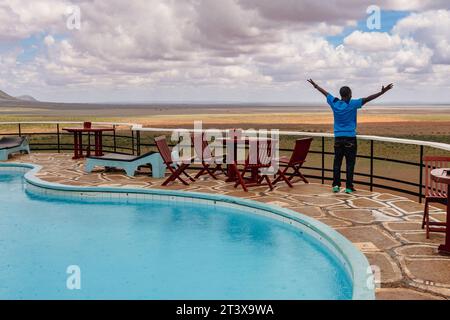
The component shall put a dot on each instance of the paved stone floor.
(385, 227)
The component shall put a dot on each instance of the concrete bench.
(9, 145)
(129, 163)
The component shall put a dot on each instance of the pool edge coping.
(358, 263)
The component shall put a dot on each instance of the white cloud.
(432, 28)
(22, 18)
(391, 52)
(49, 40)
(373, 41)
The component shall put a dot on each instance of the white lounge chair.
(9, 145)
(128, 162)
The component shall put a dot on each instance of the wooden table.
(78, 141)
(441, 176)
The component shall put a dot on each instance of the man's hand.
(312, 82)
(387, 88)
(384, 89)
(316, 86)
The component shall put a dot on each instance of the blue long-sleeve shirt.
(345, 115)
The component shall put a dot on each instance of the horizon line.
(224, 102)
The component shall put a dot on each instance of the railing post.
(58, 137)
(421, 175)
(132, 142)
(371, 165)
(323, 160)
(138, 143)
(20, 130)
(114, 138)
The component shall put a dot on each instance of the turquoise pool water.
(155, 250)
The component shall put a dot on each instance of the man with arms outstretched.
(345, 145)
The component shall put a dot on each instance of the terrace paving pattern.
(385, 227)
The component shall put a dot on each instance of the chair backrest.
(163, 149)
(202, 150)
(197, 147)
(263, 157)
(265, 153)
(433, 188)
(301, 150)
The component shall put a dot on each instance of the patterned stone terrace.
(385, 227)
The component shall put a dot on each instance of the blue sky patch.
(33, 45)
(388, 20)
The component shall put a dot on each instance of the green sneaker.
(336, 189)
(349, 191)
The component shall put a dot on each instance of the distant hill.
(26, 98)
(4, 97)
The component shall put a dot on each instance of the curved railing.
(385, 163)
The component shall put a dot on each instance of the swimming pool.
(132, 248)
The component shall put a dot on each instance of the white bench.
(9, 145)
(128, 162)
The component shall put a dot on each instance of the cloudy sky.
(223, 50)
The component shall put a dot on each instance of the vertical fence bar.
(138, 143)
(371, 165)
(323, 160)
(132, 142)
(421, 175)
(114, 138)
(20, 130)
(58, 138)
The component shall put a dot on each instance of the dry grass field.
(430, 122)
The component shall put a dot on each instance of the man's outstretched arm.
(384, 89)
(316, 86)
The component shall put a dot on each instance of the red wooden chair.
(434, 192)
(175, 169)
(298, 157)
(263, 161)
(204, 154)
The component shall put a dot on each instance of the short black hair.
(345, 92)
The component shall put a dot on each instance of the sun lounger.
(128, 162)
(10, 145)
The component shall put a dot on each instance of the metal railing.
(56, 129)
(128, 138)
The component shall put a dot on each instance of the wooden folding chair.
(175, 169)
(434, 192)
(298, 157)
(263, 161)
(204, 154)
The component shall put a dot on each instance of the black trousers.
(344, 147)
